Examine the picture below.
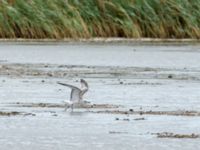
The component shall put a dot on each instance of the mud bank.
(100, 40)
(106, 109)
(77, 71)
(170, 113)
(53, 105)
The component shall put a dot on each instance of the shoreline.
(102, 40)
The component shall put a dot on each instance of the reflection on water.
(75, 113)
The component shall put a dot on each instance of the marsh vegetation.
(99, 18)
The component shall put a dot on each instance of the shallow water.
(170, 56)
(142, 82)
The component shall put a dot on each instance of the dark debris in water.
(117, 132)
(12, 113)
(137, 119)
(15, 113)
(178, 136)
(170, 76)
(116, 118)
(124, 119)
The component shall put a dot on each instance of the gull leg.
(72, 107)
(66, 107)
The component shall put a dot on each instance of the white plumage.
(76, 95)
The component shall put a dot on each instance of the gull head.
(82, 81)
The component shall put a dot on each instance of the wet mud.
(53, 105)
(68, 71)
(170, 113)
(107, 109)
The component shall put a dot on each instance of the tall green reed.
(99, 18)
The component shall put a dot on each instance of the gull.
(76, 95)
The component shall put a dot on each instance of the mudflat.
(141, 96)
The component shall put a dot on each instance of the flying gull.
(76, 95)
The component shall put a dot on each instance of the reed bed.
(59, 19)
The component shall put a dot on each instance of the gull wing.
(75, 95)
(70, 86)
(75, 92)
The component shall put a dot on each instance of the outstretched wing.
(75, 95)
(75, 92)
(70, 86)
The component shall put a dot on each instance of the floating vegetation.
(117, 132)
(59, 19)
(178, 136)
(137, 119)
(15, 113)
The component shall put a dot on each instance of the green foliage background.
(99, 18)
